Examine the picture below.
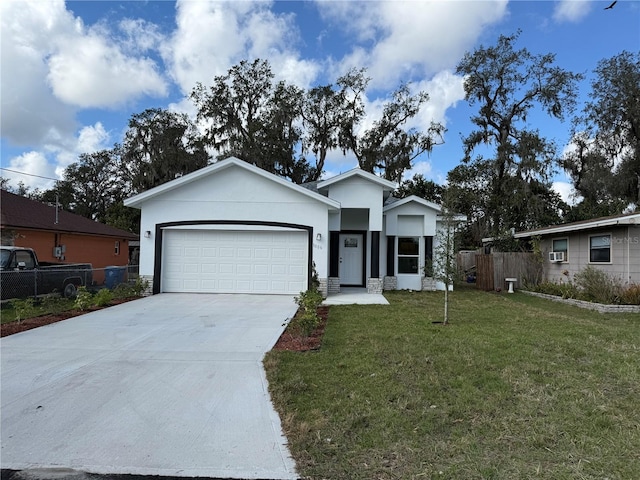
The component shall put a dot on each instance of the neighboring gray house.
(611, 244)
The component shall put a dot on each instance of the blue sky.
(73, 73)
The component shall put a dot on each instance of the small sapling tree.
(444, 263)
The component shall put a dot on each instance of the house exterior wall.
(625, 254)
(357, 192)
(408, 220)
(100, 252)
(234, 195)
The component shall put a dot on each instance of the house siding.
(98, 251)
(625, 254)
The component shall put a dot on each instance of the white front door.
(351, 258)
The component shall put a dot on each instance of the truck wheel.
(70, 291)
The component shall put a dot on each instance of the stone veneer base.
(599, 307)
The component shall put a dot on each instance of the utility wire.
(29, 174)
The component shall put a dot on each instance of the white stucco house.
(232, 227)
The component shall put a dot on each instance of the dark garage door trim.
(157, 263)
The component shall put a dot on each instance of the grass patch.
(516, 387)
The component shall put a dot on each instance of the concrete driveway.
(168, 385)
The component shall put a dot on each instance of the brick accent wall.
(333, 285)
(374, 285)
(390, 283)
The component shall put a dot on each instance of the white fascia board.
(609, 222)
(458, 218)
(385, 184)
(413, 198)
(137, 200)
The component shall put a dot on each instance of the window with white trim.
(600, 248)
(561, 245)
(408, 254)
(117, 248)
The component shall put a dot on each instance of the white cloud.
(213, 36)
(407, 39)
(51, 65)
(89, 70)
(566, 192)
(30, 113)
(571, 10)
(35, 166)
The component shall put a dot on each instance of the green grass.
(516, 387)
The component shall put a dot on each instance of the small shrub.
(564, 289)
(84, 299)
(128, 290)
(25, 308)
(54, 304)
(597, 286)
(103, 297)
(631, 295)
(307, 319)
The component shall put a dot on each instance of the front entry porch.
(355, 296)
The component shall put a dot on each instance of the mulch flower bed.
(293, 342)
(287, 341)
(35, 322)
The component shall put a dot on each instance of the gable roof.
(397, 202)
(232, 162)
(628, 219)
(357, 172)
(22, 212)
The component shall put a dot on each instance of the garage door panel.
(234, 261)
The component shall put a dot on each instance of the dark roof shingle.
(22, 212)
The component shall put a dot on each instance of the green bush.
(597, 286)
(307, 319)
(564, 289)
(25, 308)
(54, 304)
(631, 295)
(84, 299)
(103, 297)
(128, 290)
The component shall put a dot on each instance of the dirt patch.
(291, 341)
(35, 322)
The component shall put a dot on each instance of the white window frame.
(566, 252)
(117, 247)
(610, 248)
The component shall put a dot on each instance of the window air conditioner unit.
(556, 256)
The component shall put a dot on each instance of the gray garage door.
(225, 261)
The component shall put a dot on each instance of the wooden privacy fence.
(492, 269)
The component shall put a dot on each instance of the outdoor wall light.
(319, 237)
(147, 234)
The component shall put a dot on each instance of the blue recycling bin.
(113, 276)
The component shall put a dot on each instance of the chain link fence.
(64, 280)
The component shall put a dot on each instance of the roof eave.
(137, 200)
(357, 172)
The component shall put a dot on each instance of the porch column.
(333, 282)
(374, 282)
(375, 254)
(390, 280)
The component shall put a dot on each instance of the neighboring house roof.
(615, 220)
(357, 172)
(232, 162)
(22, 212)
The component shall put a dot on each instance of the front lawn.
(516, 387)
